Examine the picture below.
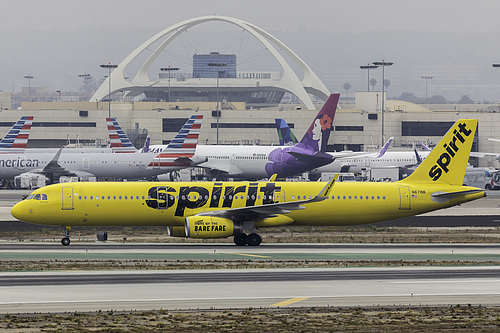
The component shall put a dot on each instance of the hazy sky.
(286, 15)
(54, 40)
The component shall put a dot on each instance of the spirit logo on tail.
(451, 148)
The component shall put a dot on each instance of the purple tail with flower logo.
(317, 135)
(310, 152)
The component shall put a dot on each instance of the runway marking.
(249, 255)
(290, 301)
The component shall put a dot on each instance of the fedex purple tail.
(310, 152)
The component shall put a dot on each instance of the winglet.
(385, 147)
(325, 192)
(145, 149)
(273, 177)
(424, 147)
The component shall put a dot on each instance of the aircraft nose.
(17, 211)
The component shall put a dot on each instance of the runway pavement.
(267, 252)
(222, 289)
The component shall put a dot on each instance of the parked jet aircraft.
(179, 154)
(219, 210)
(257, 162)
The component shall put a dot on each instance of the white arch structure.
(289, 82)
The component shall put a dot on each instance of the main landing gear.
(65, 241)
(251, 240)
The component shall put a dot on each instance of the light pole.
(169, 69)
(426, 78)
(383, 63)
(29, 77)
(85, 77)
(59, 92)
(217, 65)
(368, 67)
(109, 66)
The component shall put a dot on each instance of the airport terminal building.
(239, 107)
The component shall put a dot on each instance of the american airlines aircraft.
(106, 164)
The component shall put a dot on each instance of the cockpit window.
(37, 196)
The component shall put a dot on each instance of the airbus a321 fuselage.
(217, 209)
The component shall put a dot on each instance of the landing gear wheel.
(254, 240)
(65, 241)
(240, 239)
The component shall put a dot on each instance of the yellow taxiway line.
(290, 301)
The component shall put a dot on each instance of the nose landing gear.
(65, 241)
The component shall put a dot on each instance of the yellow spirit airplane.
(219, 210)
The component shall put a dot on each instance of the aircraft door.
(367, 162)
(67, 198)
(279, 196)
(86, 163)
(404, 198)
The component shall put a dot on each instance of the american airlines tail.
(180, 151)
(316, 137)
(17, 137)
(285, 134)
(119, 141)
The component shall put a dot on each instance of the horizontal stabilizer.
(307, 157)
(442, 196)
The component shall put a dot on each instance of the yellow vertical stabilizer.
(448, 160)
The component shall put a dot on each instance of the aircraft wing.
(483, 155)
(53, 170)
(269, 210)
(229, 169)
(442, 196)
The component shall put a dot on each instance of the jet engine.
(211, 227)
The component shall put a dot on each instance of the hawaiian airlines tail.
(17, 137)
(316, 137)
(285, 134)
(180, 151)
(447, 162)
(119, 141)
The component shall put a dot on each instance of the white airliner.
(65, 162)
(257, 162)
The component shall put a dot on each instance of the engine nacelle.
(211, 227)
(176, 231)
